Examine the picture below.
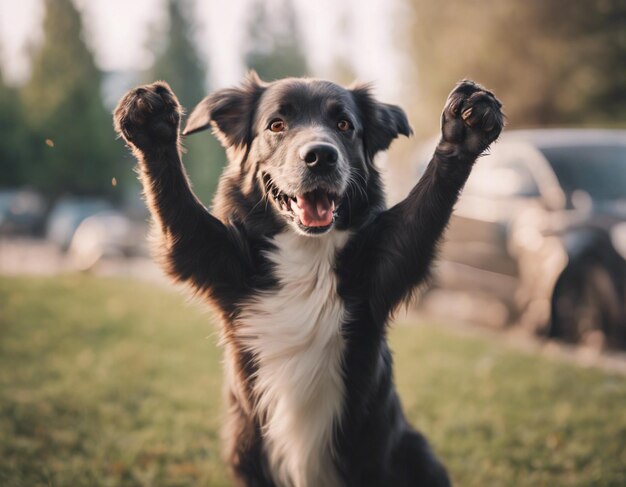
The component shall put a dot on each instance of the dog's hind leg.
(414, 464)
(198, 248)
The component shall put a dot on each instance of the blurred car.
(67, 215)
(108, 234)
(541, 227)
(22, 212)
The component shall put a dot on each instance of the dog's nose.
(319, 155)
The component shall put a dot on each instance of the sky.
(118, 32)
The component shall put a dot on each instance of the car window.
(598, 170)
(501, 175)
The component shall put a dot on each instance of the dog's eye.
(277, 125)
(344, 125)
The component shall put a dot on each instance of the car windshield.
(599, 170)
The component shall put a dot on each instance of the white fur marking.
(295, 334)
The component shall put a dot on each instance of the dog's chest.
(294, 332)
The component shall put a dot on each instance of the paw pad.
(148, 116)
(472, 118)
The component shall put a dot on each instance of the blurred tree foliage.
(177, 62)
(274, 42)
(16, 143)
(74, 149)
(557, 62)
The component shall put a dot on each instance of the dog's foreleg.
(407, 234)
(197, 248)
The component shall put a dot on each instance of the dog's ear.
(382, 123)
(230, 112)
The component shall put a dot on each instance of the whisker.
(264, 197)
(356, 182)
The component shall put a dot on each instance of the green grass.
(110, 382)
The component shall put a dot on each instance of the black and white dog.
(304, 264)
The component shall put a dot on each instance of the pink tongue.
(314, 209)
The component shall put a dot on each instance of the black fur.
(220, 255)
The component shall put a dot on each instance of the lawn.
(107, 382)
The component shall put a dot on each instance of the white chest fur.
(295, 335)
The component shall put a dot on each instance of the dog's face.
(305, 146)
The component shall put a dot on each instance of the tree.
(552, 63)
(274, 47)
(76, 150)
(178, 64)
(177, 61)
(15, 143)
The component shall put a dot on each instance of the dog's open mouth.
(313, 210)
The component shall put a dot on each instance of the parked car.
(541, 226)
(107, 234)
(22, 212)
(67, 215)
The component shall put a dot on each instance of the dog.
(304, 264)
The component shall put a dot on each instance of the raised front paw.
(472, 119)
(148, 116)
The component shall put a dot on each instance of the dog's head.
(301, 150)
